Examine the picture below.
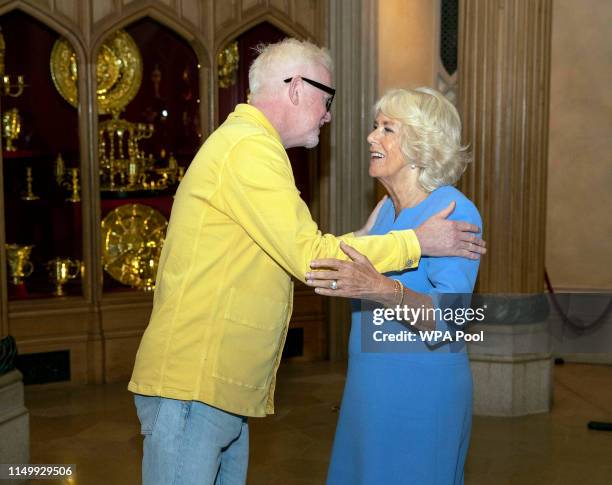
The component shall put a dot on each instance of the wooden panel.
(305, 13)
(247, 6)
(305, 304)
(78, 355)
(191, 11)
(51, 326)
(504, 59)
(43, 4)
(125, 317)
(315, 339)
(282, 6)
(102, 9)
(226, 13)
(119, 357)
(68, 8)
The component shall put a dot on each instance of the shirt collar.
(248, 111)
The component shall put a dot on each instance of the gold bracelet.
(398, 291)
(401, 288)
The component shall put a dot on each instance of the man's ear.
(294, 91)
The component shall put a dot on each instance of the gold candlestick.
(7, 87)
(74, 185)
(29, 193)
(59, 168)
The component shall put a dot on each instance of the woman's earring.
(412, 166)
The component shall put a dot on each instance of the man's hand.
(440, 237)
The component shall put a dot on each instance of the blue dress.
(406, 412)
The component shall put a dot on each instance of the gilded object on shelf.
(19, 264)
(29, 195)
(227, 62)
(11, 127)
(118, 72)
(59, 169)
(120, 170)
(132, 239)
(61, 270)
(74, 186)
(8, 88)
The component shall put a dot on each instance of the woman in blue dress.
(406, 412)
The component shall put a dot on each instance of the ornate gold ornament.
(132, 239)
(118, 72)
(18, 260)
(61, 270)
(227, 62)
(11, 128)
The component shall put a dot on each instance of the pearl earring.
(412, 166)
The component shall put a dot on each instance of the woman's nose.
(372, 136)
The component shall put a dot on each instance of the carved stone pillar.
(504, 70)
(353, 46)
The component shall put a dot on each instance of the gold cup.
(61, 270)
(20, 267)
(11, 127)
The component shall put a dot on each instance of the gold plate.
(132, 239)
(118, 71)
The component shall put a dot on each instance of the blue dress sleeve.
(453, 278)
(455, 274)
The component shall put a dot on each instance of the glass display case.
(145, 144)
(42, 206)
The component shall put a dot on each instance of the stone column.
(353, 46)
(504, 71)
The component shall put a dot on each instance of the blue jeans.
(189, 443)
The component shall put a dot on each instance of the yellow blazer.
(223, 300)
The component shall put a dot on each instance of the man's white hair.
(283, 60)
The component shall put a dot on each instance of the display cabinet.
(100, 120)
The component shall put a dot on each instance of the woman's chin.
(373, 170)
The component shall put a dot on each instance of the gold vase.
(11, 127)
(20, 267)
(61, 270)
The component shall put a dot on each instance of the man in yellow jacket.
(238, 232)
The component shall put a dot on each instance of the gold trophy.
(20, 267)
(61, 270)
(11, 127)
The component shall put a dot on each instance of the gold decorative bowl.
(132, 239)
(118, 71)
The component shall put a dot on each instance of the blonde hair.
(279, 61)
(430, 135)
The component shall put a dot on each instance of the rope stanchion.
(593, 425)
(565, 318)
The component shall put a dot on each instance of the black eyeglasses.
(322, 87)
